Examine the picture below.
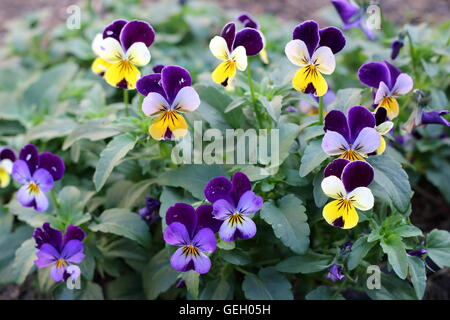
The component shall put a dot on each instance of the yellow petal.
(122, 75)
(382, 147)
(307, 75)
(170, 124)
(4, 178)
(352, 155)
(391, 105)
(224, 72)
(341, 213)
(99, 66)
(263, 55)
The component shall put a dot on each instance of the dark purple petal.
(53, 164)
(47, 234)
(21, 172)
(380, 116)
(157, 68)
(359, 117)
(205, 240)
(217, 188)
(114, 29)
(205, 218)
(71, 251)
(137, 31)
(229, 34)
(176, 234)
(251, 40)
(333, 38)
(435, 117)
(150, 83)
(240, 185)
(335, 168)
(396, 45)
(7, 153)
(184, 214)
(357, 174)
(372, 73)
(335, 120)
(394, 73)
(308, 32)
(30, 154)
(417, 253)
(73, 233)
(345, 9)
(247, 21)
(47, 255)
(173, 78)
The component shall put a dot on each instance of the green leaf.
(50, 129)
(438, 247)
(24, 260)
(268, 285)
(221, 289)
(158, 276)
(236, 257)
(359, 250)
(324, 293)
(125, 287)
(416, 267)
(439, 175)
(395, 249)
(320, 198)
(94, 130)
(288, 133)
(346, 98)
(407, 231)
(29, 215)
(289, 222)
(391, 181)
(392, 288)
(307, 263)
(124, 223)
(192, 280)
(116, 149)
(313, 156)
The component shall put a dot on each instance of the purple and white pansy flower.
(352, 16)
(389, 83)
(313, 49)
(193, 231)
(7, 158)
(351, 137)
(61, 253)
(37, 173)
(233, 202)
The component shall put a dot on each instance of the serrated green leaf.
(313, 156)
(268, 285)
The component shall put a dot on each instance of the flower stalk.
(253, 96)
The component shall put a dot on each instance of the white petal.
(333, 143)
(324, 60)
(138, 54)
(154, 103)
(403, 84)
(362, 198)
(111, 50)
(239, 55)
(7, 165)
(297, 52)
(219, 48)
(383, 91)
(187, 99)
(96, 44)
(385, 127)
(367, 141)
(333, 187)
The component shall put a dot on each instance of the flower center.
(33, 188)
(61, 263)
(352, 155)
(191, 250)
(236, 218)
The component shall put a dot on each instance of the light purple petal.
(184, 214)
(357, 174)
(71, 251)
(179, 261)
(359, 117)
(43, 179)
(251, 40)
(382, 92)
(217, 188)
(372, 73)
(41, 202)
(137, 31)
(249, 203)
(394, 72)
(335, 168)
(334, 143)
(246, 229)
(332, 38)
(367, 141)
(21, 172)
(57, 273)
(176, 234)
(403, 84)
(202, 264)
(173, 78)
(308, 32)
(222, 209)
(25, 197)
(205, 240)
(227, 231)
(46, 256)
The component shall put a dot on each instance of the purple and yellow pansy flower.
(233, 49)
(125, 47)
(352, 16)
(37, 173)
(351, 137)
(389, 83)
(167, 95)
(59, 252)
(313, 51)
(193, 231)
(347, 182)
(7, 158)
(248, 22)
(233, 204)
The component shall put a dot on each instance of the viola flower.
(99, 66)
(233, 49)
(37, 172)
(396, 45)
(59, 252)
(335, 273)
(193, 231)
(125, 46)
(417, 253)
(150, 213)
(352, 137)
(352, 16)
(167, 95)
(347, 182)
(7, 158)
(248, 22)
(389, 81)
(233, 203)
(383, 126)
(313, 51)
(435, 117)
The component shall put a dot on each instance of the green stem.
(54, 199)
(125, 102)
(412, 53)
(242, 270)
(252, 93)
(321, 110)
